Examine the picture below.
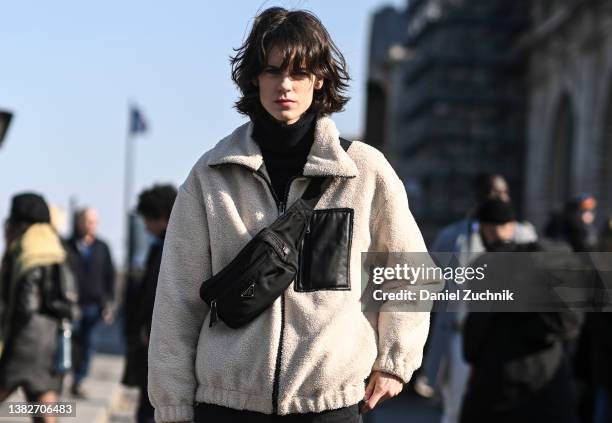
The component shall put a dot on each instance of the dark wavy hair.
(156, 202)
(304, 43)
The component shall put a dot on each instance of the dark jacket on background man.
(520, 371)
(139, 327)
(520, 365)
(600, 328)
(95, 273)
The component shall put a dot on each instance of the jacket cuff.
(398, 369)
(174, 413)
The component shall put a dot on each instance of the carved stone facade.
(569, 127)
(523, 88)
(454, 104)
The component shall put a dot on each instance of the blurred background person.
(444, 368)
(580, 231)
(601, 348)
(154, 206)
(95, 274)
(520, 369)
(580, 223)
(601, 366)
(31, 322)
(606, 235)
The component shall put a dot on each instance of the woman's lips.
(284, 103)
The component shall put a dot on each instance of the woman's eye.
(295, 74)
(272, 71)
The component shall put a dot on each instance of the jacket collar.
(326, 157)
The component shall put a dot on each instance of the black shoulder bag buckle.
(265, 267)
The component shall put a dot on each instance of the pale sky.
(69, 68)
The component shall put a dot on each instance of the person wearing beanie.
(313, 355)
(520, 370)
(28, 208)
(29, 330)
(497, 222)
(444, 368)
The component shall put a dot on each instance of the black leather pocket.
(324, 261)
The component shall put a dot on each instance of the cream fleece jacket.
(329, 345)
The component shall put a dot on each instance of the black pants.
(208, 413)
(145, 412)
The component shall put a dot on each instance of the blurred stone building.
(456, 99)
(569, 130)
(517, 87)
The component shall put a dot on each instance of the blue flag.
(137, 123)
(5, 121)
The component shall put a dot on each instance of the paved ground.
(110, 402)
(105, 395)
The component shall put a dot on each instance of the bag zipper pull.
(213, 313)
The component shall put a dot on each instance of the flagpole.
(127, 191)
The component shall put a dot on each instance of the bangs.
(299, 51)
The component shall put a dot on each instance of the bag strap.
(315, 190)
(345, 143)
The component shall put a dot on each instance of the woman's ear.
(318, 83)
(255, 82)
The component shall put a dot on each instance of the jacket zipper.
(281, 205)
(277, 370)
(278, 244)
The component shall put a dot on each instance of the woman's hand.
(381, 387)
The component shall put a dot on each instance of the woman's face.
(285, 95)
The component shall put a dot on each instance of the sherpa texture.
(329, 345)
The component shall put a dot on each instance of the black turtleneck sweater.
(284, 148)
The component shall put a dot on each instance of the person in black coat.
(601, 348)
(154, 206)
(521, 371)
(95, 274)
(29, 327)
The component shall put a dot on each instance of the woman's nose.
(286, 82)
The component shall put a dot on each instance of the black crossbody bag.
(265, 266)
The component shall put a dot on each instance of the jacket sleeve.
(178, 312)
(28, 296)
(109, 276)
(401, 333)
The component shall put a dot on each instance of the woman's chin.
(287, 117)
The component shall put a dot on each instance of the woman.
(306, 358)
(29, 326)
